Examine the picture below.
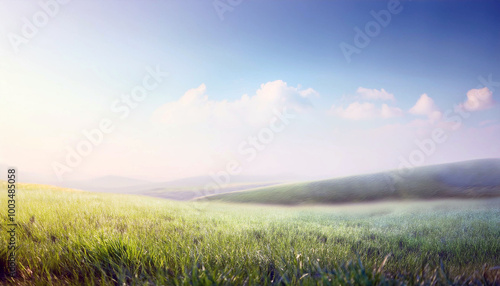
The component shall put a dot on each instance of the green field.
(68, 237)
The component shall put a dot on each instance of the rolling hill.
(180, 189)
(469, 179)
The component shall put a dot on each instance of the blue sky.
(65, 78)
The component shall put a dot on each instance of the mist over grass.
(70, 238)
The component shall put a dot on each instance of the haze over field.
(161, 91)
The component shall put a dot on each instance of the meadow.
(72, 238)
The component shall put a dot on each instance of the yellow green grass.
(73, 238)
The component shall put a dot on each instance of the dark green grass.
(74, 238)
(472, 179)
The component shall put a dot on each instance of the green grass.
(471, 179)
(73, 238)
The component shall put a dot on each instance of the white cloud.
(366, 110)
(374, 94)
(389, 112)
(426, 106)
(195, 108)
(308, 92)
(356, 111)
(199, 132)
(478, 99)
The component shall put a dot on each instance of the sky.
(162, 90)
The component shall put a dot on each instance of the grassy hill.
(81, 238)
(470, 179)
(181, 189)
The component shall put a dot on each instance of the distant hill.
(469, 179)
(181, 189)
(112, 182)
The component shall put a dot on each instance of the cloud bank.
(195, 107)
(367, 110)
(374, 94)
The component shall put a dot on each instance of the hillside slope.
(181, 189)
(470, 179)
